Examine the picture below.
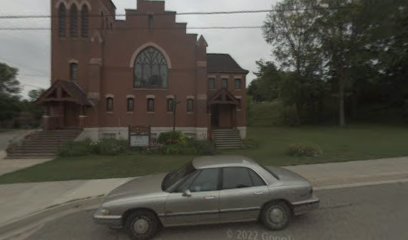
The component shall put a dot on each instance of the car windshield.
(176, 176)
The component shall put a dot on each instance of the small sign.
(139, 136)
(139, 141)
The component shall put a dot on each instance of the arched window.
(151, 69)
(73, 21)
(190, 105)
(150, 105)
(62, 16)
(130, 104)
(170, 105)
(102, 21)
(109, 104)
(84, 22)
(73, 71)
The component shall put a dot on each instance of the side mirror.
(187, 193)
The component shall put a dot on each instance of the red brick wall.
(106, 67)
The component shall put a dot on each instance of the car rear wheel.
(276, 215)
(142, 225)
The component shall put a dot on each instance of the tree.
(266, 86)
(35, 94)
(9, 84)
(290, 28)
(9, 88)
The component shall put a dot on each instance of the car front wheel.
(142, 225)
(276, 215)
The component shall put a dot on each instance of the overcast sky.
(29, 51)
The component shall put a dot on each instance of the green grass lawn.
(359, 142)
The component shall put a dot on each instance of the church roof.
(223, 63)
(74, 93)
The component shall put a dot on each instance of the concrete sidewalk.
(12, 165)
(20, 200)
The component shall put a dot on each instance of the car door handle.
(259, 193)
(209, 197)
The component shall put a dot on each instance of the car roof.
(222, 161)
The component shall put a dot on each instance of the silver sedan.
(208, 190)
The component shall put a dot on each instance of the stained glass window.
(74, 21)
(84, 21)
(62, 15)
(151, 70)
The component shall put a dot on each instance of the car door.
(242, 194)
(201, 203)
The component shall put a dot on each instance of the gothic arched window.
(151, 69)
(62, 15)
(84, 21)
(73, 21)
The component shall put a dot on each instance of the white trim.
(149, 44)
(190, 97)
(58, 3)
(73, 61)
(84, 2)
(242, 132)
(96, 134)
(76, 3)
(109, 96)
(150, 96)
(225, 76)
(238, 97)
(211, 76)
(170, 97)
(130, 96)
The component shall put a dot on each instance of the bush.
(169, 138)
(76, 149)
(111, 147)
(191, 147)
(203, 147)
(304, 150)
(250, 143)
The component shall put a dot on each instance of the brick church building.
(110, 74)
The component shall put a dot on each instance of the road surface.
(373, 212)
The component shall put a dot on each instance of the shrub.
(76, 149)
(111, 147)
(203, 147)
(250, 143)
(169, 138)
(304, 150)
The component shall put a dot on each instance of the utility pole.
(175, 103)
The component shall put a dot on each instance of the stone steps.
(44, 144)
(227, 139)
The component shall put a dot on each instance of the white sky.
(29, 51)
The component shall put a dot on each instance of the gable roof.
(76, 94)
(223, 96)
(223, 63)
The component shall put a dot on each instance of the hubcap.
(276, 215)
(141, 226)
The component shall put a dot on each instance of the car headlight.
(104, 211)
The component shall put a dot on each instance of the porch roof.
(64, 91)
(223, 96)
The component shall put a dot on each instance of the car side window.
(187, 182)
(207, 180)
(236, 177)
(256, 179)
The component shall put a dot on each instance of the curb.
(34, 221)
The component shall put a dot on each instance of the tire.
(142, 225)
(276, 215)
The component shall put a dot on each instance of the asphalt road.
(374, 212)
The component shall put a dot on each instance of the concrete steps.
(227, 139)
(43, 144)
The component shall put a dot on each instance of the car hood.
(288, 176)
(142, 186)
